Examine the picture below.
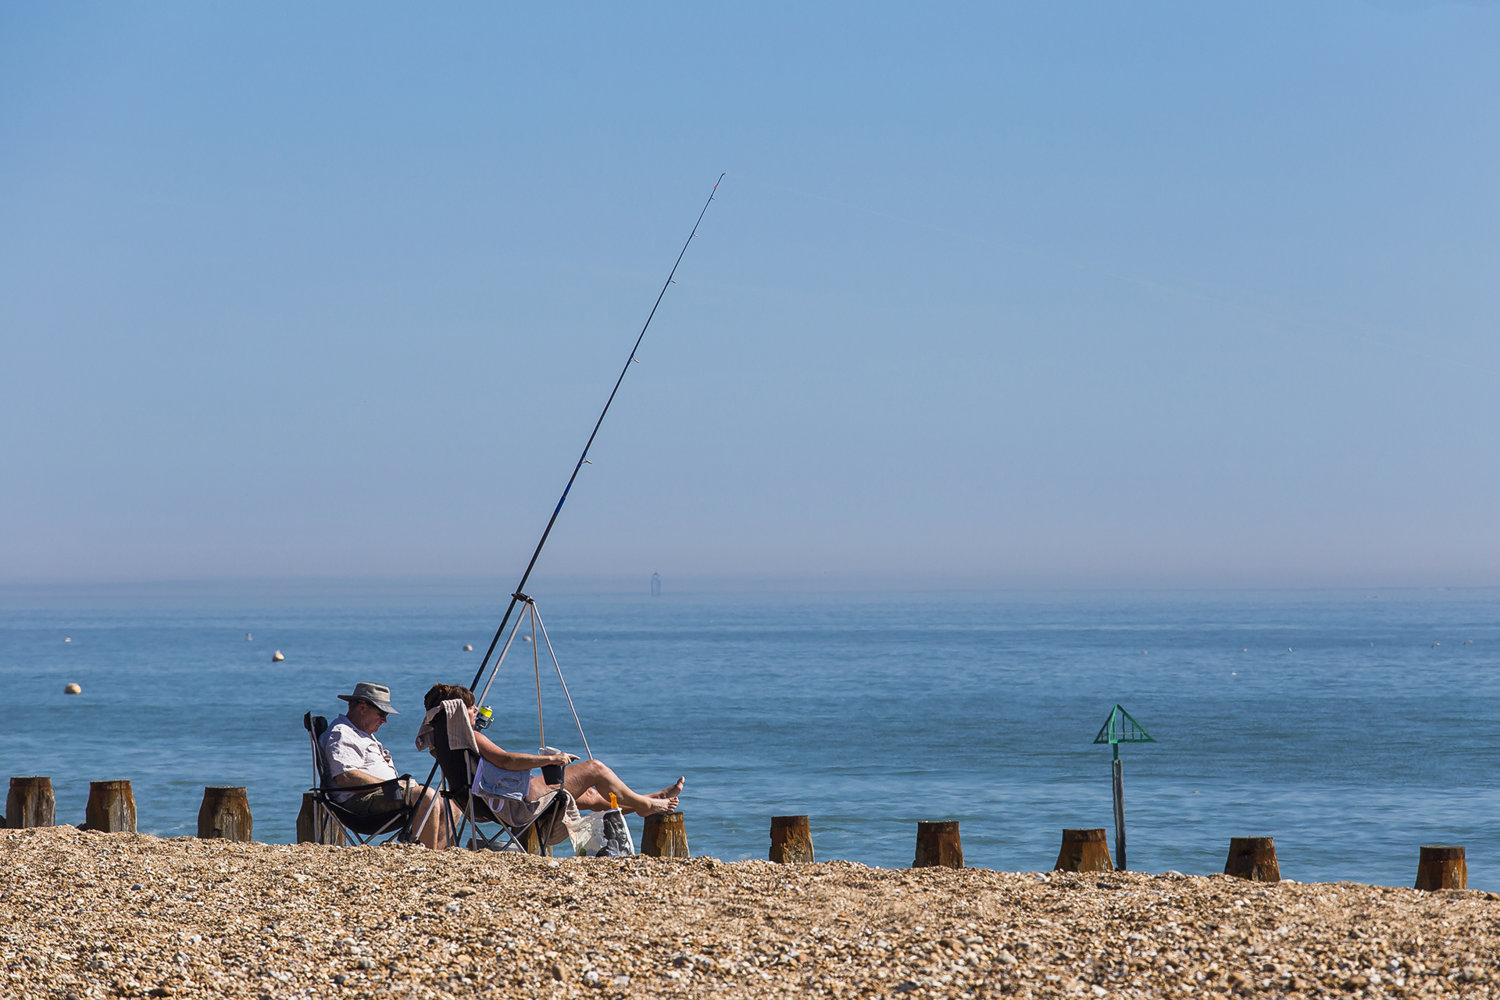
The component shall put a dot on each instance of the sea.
(1352, 726)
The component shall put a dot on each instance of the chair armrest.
(364, 786)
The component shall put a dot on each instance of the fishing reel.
(483, 719)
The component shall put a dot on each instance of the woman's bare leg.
(592, 781)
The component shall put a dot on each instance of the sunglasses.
(377, 710)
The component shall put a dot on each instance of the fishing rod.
(519, 596)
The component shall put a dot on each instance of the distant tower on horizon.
(655, 584)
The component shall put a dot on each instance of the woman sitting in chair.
(591, 782)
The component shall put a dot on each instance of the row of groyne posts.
(225, 815)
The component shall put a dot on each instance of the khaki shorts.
(387, 800)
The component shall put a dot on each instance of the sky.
(1019, 295)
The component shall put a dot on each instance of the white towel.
(460, 729)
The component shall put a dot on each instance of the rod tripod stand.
(530, 615)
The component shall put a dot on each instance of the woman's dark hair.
(439, 693)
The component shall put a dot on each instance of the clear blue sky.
(1104, 293)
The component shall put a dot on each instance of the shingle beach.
(113, 915)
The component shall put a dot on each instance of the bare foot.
(655, 805)
(671, 791)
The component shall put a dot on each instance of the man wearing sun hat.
(355, 757)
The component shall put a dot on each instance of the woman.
(591, 782)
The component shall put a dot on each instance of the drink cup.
(552, 774)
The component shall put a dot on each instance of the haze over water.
(1353, 726)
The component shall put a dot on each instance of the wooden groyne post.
(1253, 858)
(1442, 866)
(1084, 851)
(665, 836)
(30, 802)
(225, 814)
(791, 839)
(307, 820)
(311, 818)
(938, 845)
(111, 807)
(531, 843)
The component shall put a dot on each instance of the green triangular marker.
(1121, 727)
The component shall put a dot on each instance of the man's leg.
(435, 815)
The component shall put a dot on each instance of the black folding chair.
(332, 822)
(458, 766)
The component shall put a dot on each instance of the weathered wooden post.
(1442, 866)
(1120, 728)
(1084, 851)
(665, 836)
(315, 826)
(30, 802)
(307, 820)
(1253, 858)
(938, 845)
(791, 839)
(531, 842)
(111, 807)
(225, 814)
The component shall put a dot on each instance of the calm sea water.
(1351, 726)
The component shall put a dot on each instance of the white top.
(349, 748)
(493, 783)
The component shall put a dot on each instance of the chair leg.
(455, 828)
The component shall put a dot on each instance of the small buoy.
(247, 636)
(276, 657)
(68, 639)
(468, 648)
(525, 638)
(1436, 645)
(72, 689)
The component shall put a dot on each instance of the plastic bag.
(602, 835)
(587, 834)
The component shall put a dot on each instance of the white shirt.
(349, 748)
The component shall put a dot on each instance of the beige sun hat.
(376, 694)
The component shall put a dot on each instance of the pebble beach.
(86, 914)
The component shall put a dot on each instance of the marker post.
(1120, 728)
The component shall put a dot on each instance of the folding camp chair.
(458, 767)
(332, 823)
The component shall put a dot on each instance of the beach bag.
(602, 835)
(617, 842)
